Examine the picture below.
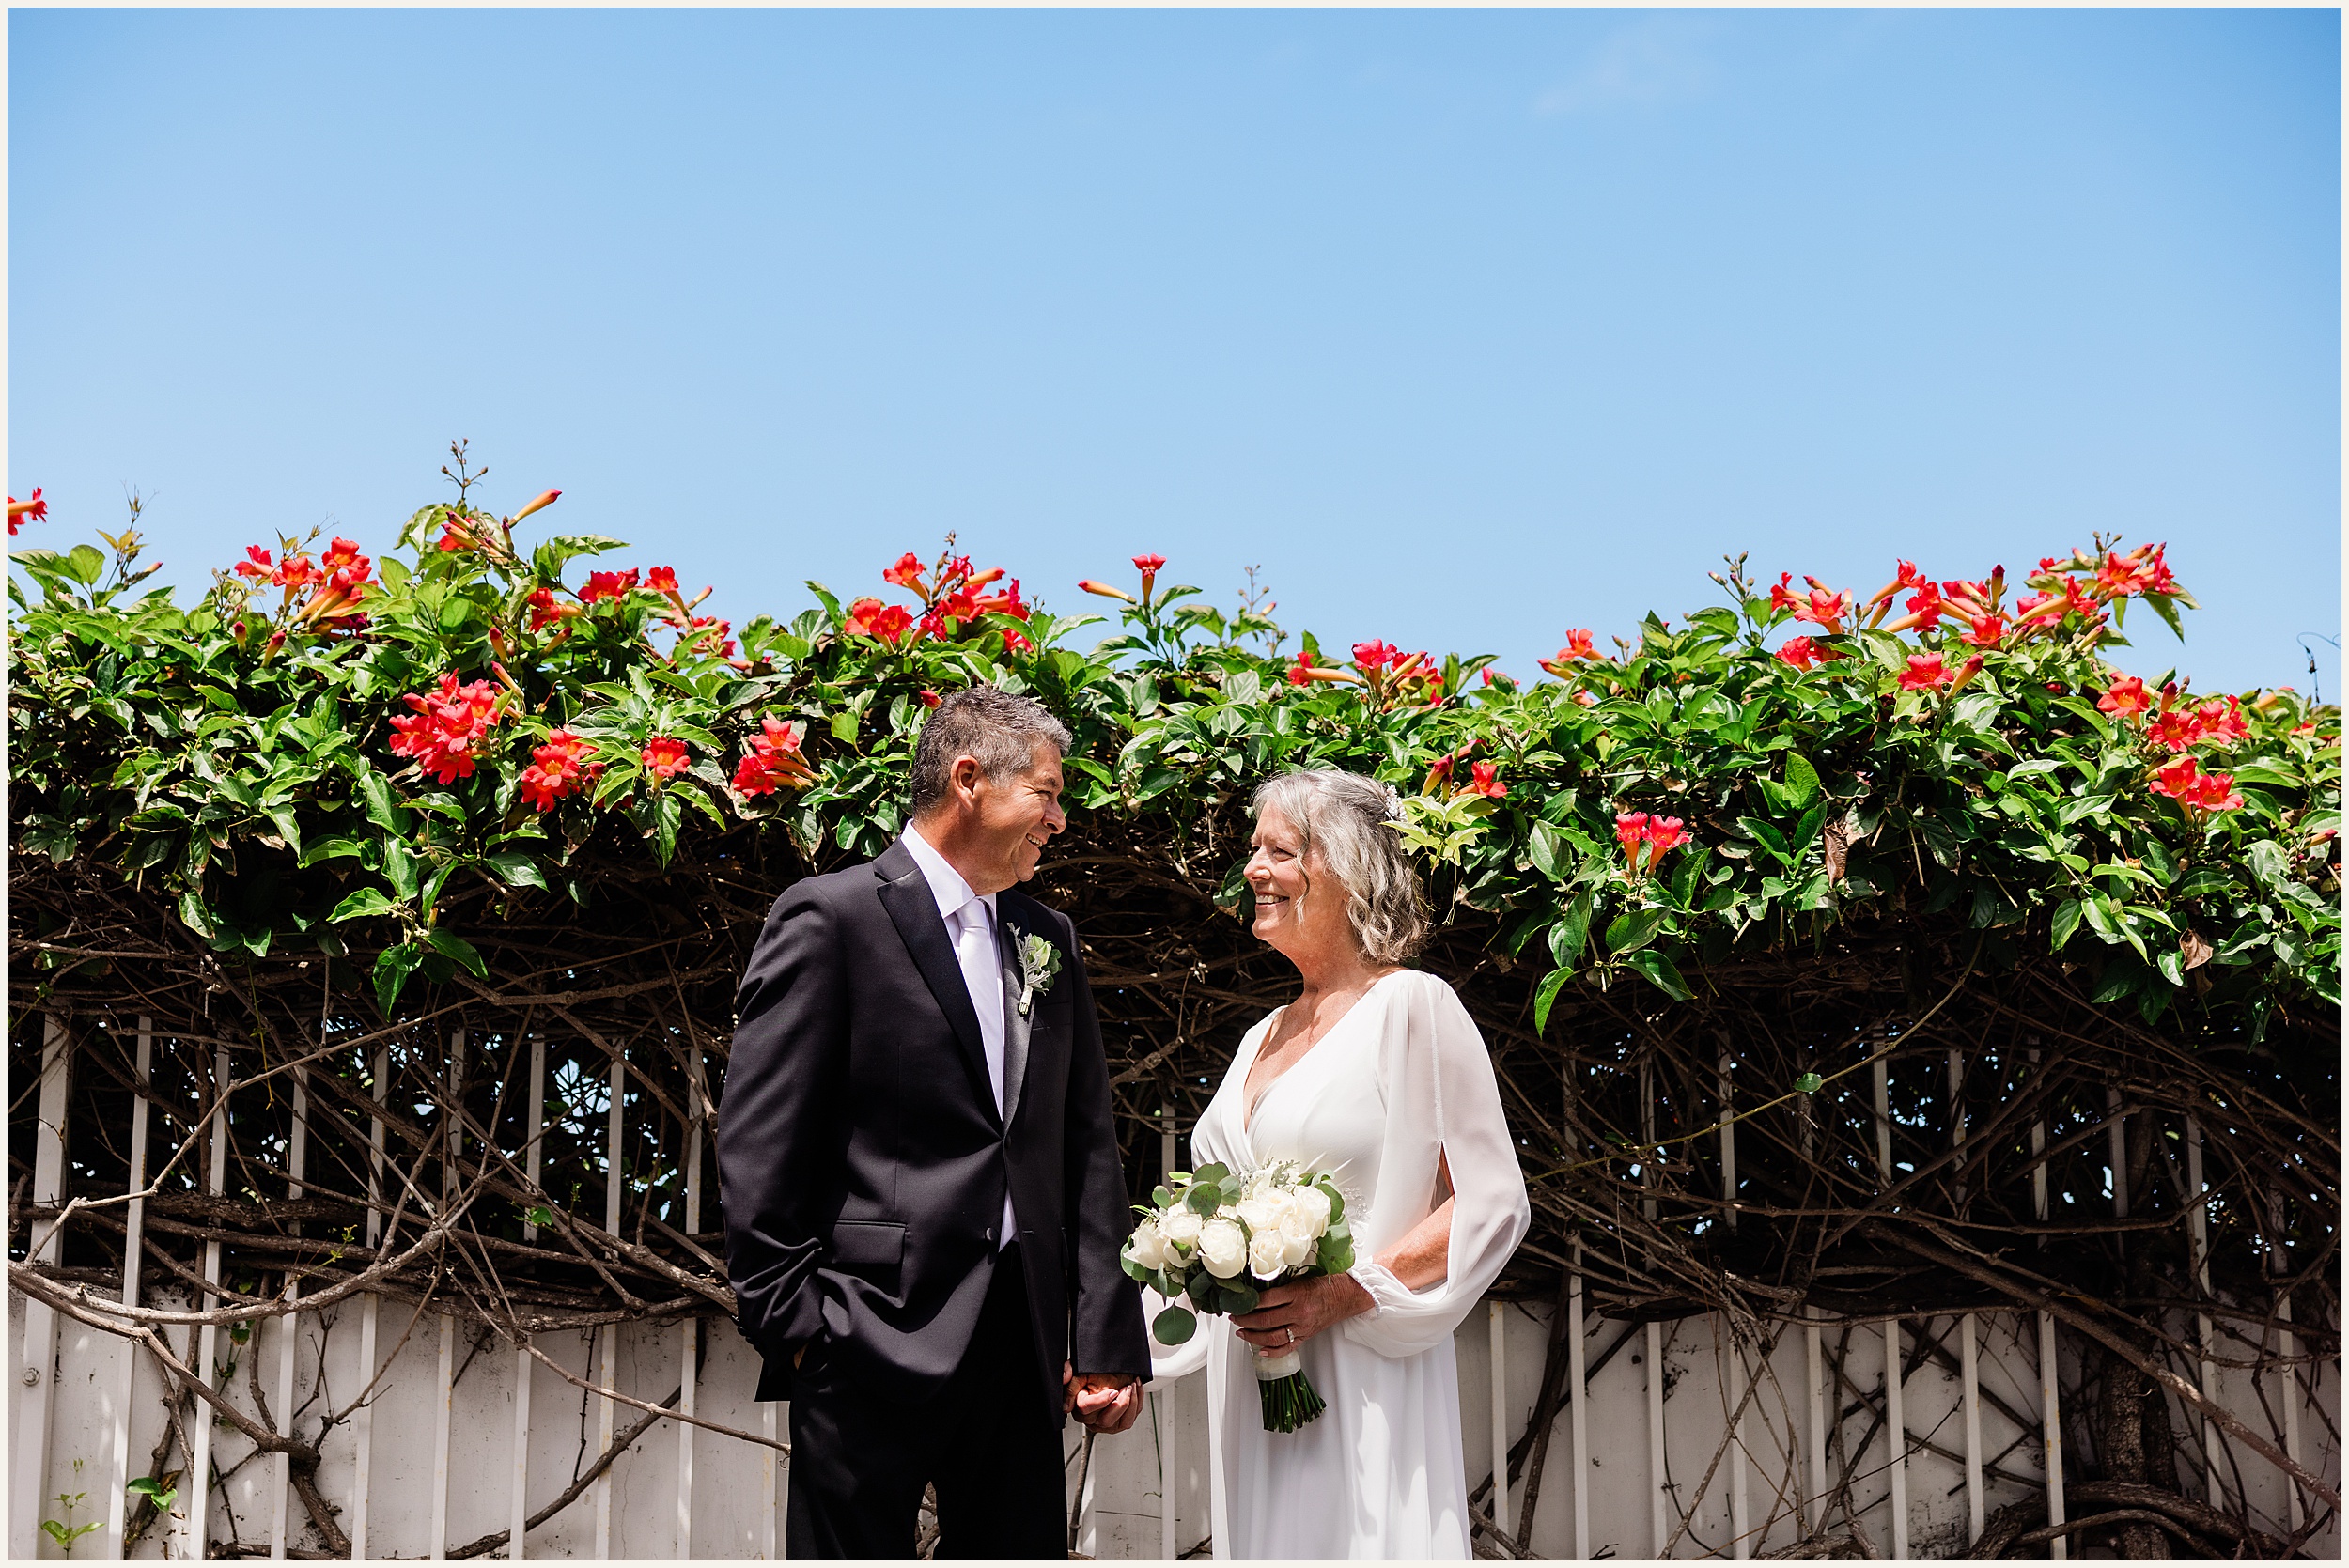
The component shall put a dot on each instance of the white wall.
(1122, 1518)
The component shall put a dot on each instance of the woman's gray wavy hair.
(1344, 816)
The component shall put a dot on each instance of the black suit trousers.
(859, 1461)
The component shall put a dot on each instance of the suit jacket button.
(990, 1234)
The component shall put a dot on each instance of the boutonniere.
(1039, 961)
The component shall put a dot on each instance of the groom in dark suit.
(923, 1198)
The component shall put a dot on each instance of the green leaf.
(1547, 848)
(1661, 972)
(86, 563)
(321, 850)
(382, 810)
(1546, 996)
(392, 970)
(516, 868)
(1173, 1326)
(399, 865)
(1809, 1083)
(453, 946)
(1633, 931)
(362, 905)
(1802, 780)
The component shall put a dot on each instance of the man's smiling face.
(1015, 819)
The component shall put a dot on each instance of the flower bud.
(546, 500)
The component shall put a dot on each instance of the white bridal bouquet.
(1216, 1239)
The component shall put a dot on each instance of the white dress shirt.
(969, 918)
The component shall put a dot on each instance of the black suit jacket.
(862, 1161)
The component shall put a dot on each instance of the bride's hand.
(1290, 1315)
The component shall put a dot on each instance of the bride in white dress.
(1377, 1072)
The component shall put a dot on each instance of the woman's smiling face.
(1299, 904)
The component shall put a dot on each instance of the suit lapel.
(904, 893)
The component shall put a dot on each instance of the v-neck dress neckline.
(1250, 1107)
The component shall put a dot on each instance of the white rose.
(1180, 1227)
(1315, 1204)
(1223, 1247)
(1261, 1211)
(1149, 1246)
(1297, 1234)
(1266, 1255)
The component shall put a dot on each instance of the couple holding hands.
(924, 1207)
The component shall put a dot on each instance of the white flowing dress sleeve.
(1443, 1109)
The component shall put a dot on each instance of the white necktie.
(983, 976)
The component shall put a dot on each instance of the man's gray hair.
(1344, 816)
(997, 729)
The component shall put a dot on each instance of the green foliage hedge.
(236, 753)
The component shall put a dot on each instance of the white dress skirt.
(1402, 1082)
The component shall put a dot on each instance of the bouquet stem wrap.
(1289, 1395)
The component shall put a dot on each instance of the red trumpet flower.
(665, 758)
(2199, 792)
(558, 768)
(22, 512)
(1802, 653)
(607, 585)
(870, 617)
(773, 759)
(2126, 698)
(1484, 780)
(450, 727)
(1926, 671)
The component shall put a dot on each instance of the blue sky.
(1466, 327)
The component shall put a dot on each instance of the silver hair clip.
(1395, 805)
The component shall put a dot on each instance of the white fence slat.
(41, 1320)
(2297, 1505)
(1660, 1512)
(1578, 1378)
(362, 1418)
(533, 1128)
(1970, 1392)
(1895, 1426)
(2052, 1432)
(1896, 1437)
(1497, 1314)
(1740, 1547)
(290, 1325)
(197, 1488)
(768, 1488)
(133, 1238)
(609, 1372)
(1815, 1428)
(689, 1332)
(445, 1408)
